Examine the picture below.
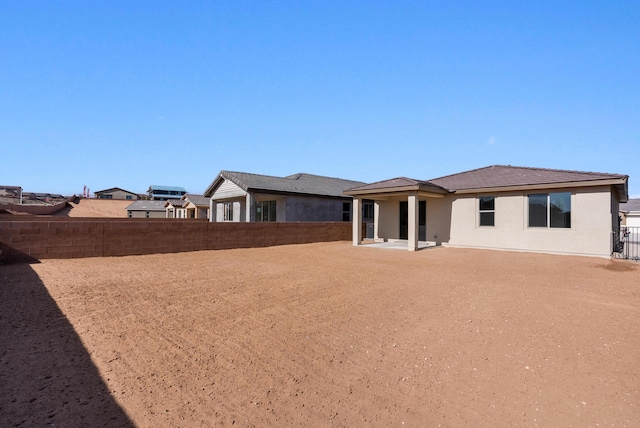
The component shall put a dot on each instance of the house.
(245, 197)
(498, 207)
(195, 206)
(162, 193)
(10, 195)
(116, 193)
(630, 213)
(146, 209)
(189, 206)
(173, 208)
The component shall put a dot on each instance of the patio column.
(212, 210)
(376, 220)
(357, 221)
(249, 208)
(413, 221)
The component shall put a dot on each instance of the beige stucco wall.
(120, 194)
(590, 232)
(453, 221)
(152, 214)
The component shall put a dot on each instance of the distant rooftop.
(155, 187)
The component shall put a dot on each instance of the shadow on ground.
(47, 377)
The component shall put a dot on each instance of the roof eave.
(560, 185)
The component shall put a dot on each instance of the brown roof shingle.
(507, 176)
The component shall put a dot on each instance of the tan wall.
(152, 214)
(119, 194)
(26, 240)
(590, 232)
(453, 221)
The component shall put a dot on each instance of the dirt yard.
(321, 335)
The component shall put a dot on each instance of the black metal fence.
(626, 243)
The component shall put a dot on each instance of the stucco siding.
(152, 214)
(590, 232)
(308, 208)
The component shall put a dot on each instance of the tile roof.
(396, 183)
(631, 205)
(300, 183)
(507, 176)
(113, 189)
(173, 202)
(497, 176)
(197, 200)
(146, 206)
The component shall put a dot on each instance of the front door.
(422, 220)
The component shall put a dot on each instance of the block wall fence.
(31, 239)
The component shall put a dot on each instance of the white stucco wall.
(633, 219)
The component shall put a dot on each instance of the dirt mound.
(97, 208)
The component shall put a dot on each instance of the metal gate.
(626, 243)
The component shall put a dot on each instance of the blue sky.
(132, 93)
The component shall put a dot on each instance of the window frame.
(270, 207)
(552, 220)
(346, 211)
(227, 214)
(482, 211)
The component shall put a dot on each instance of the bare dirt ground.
(321, 335)
(97, 208)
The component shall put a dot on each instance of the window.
(130, 214)
(146, 214)
(367, 211)
(228, 211)
(128, 197)
(346, 211)
(550, 210)
(266, 210)
(487, 210)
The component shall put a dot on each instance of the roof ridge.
(458, 173)
(557, 170)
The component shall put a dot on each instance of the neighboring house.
(42, 198)
(189, 206)
(173, 208)
(146, 209)
(116, 193)
(10, 194)
(630, 213)
(195, 206)
(244, 197)
(163, 193)
(498, 207)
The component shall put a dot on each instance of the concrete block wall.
(30, 239)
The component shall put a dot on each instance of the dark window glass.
(487, 203)
(538, 210)
(487, 206)
(266, 211)
(487, 219)
(560, 210)
(346, 211)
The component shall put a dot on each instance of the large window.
(487, 210)
(550, 210)
(228, 211)
(266, 210)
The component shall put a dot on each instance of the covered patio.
(399, 212)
